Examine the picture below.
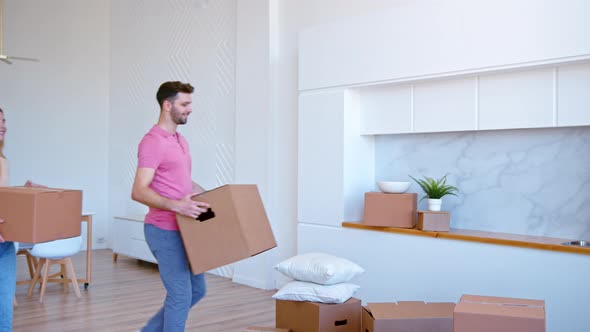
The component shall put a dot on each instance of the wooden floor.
(123, 296)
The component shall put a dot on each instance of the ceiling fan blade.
(22, 58)
(6, 61)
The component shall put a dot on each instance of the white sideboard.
(402, 267)
(128, 238)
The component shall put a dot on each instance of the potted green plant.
(435, 190)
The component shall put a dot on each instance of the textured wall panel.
(155, 41)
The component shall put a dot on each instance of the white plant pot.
(434, 204)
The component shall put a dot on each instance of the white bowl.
(393, 187)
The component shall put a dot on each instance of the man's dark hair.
(169, 90)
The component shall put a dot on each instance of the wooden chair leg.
(115, 256)
(31, 263)
(38, 269)
(64, 275)
(45, 275)
(72, 275)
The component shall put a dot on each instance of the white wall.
(57, 110)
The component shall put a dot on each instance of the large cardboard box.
(408, 317)
(236, 228)
(435, 221)
(319, 317)
(390, 210)
(492, 314)
(34, 215)
(265, 329)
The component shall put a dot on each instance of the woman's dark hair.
(169, 90)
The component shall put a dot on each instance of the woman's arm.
(3, 182)
(3, 172)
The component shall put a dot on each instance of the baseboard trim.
(256, 283)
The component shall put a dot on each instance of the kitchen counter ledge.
(504, 239)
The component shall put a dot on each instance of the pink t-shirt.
(169, 155)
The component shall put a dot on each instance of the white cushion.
(309, 291)
(320, 268)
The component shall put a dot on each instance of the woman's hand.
(31, 184)
(1, 238)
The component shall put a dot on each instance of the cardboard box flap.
(410, 309)
(30, 190)
(503, 306)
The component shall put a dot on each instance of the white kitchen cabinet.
(440, 76)
(422, 39)
(386, 109)
(447, 105)
(555, 96)
(573, 95)
(129, 240)
(517, 100)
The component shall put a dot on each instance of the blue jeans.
(183, 289)
(7, 284)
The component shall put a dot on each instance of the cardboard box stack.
(320, 297)
(236, 227)
(390, 210)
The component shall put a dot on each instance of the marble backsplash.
(530, 181)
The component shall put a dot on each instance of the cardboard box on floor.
(35, 215)
(435, 221)
(390, 210)
(492, 314)
(408, 316)
(238, 228)
(315, 317)
(265, 329)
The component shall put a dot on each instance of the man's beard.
(177, 117)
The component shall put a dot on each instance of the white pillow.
(319, 268)
(309, 291)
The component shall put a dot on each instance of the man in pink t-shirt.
(163, 182)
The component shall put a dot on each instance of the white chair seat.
(57, 249)
(23, 245)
